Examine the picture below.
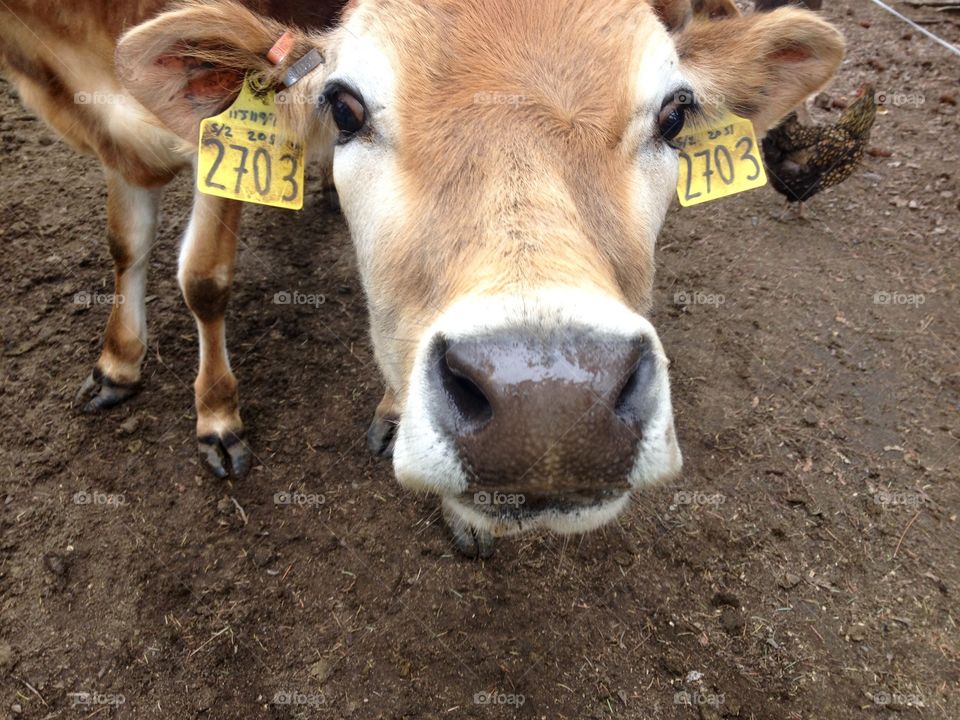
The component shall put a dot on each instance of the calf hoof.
(382, 435)
(471, 542)
(98, 392)
(225, 454)
(333, 199)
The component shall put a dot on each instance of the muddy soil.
(805, 564)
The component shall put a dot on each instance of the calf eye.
(673, 114)
(348, 111)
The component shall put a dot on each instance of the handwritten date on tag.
(717, 160)
(242, 157)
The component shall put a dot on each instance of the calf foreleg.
(131, 229)
(206, 273)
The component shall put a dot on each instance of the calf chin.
(472, 511)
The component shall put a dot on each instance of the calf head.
(505, 168)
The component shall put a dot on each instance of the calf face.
(505, 168)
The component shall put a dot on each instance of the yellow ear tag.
(717, 160)
(241, 157)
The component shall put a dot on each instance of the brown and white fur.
(511, 179)
(60, 57)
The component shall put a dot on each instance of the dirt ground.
(805, 565)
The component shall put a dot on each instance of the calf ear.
(715, 9)
(675, 14)
(188, 64)
(762, 65)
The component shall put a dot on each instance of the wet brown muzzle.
(544, 414)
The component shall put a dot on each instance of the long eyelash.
(695, 113)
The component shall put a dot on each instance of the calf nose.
(545, 413)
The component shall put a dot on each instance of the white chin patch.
(568, 522)
(425, 458)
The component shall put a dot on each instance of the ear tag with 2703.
(719, 159)
(242, 156)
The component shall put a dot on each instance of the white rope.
(911, 23)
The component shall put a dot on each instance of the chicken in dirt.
(803, 160)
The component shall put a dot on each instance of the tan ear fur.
(715, 9)
(675, 14)
(189, 63)
(762, 65)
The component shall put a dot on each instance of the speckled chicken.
(801, 161)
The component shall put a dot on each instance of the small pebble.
(55, 564)
(722, 599)
(708, 712)
(732, 620)
(672, 663)
(789, 581)
(262, 556)
(130, 425)
(321, 669)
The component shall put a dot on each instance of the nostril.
(635, 403)
(464, 395)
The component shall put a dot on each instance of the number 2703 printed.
(251, 166)
(258, 164)
(716, 163)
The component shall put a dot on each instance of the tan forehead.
(508, 35)
(485, 86)
(474, 76)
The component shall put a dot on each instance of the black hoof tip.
(469, 541)
(98, 392)
(224, 455)
(382, 436)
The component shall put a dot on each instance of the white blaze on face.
(656, 76)
(365, 171)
